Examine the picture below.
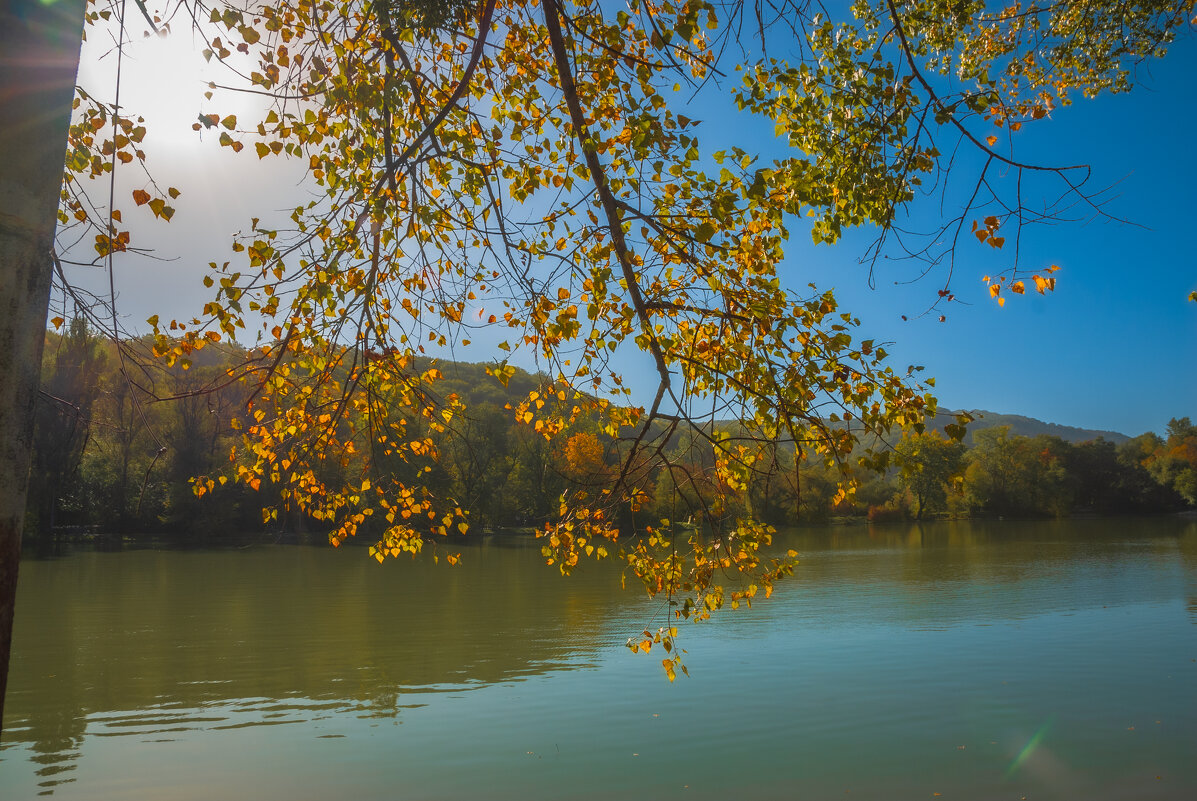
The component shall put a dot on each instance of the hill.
(1026, 427)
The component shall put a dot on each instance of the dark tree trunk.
(39, 56)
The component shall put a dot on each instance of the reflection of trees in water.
(947, 572)
(153, 643)
(1187, 545)
(56, 749)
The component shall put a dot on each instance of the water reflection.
(150, 644)
(943, 574)
(1187, 548)
(157, 646)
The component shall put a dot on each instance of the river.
(967, 660)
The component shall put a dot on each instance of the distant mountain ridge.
(1026, 427)
(471, 382)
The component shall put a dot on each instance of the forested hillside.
(1025, 427)
(120, 439)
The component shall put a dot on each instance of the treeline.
(119, 437)
(1044, 475)
(117, 443)
(109, 456)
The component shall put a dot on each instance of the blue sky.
(1114, 347)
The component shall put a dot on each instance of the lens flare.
(1029, 748)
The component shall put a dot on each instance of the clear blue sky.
(1115, 347)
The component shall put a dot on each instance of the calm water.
(972, 661)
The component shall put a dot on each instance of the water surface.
(973, 660)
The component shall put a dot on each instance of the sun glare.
(165, 79)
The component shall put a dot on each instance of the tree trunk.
(39, 56)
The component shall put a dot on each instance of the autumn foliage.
(530, 174)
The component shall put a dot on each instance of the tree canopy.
(536, 172)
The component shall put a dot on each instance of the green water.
(976, 661)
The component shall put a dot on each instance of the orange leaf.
(141, 197)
